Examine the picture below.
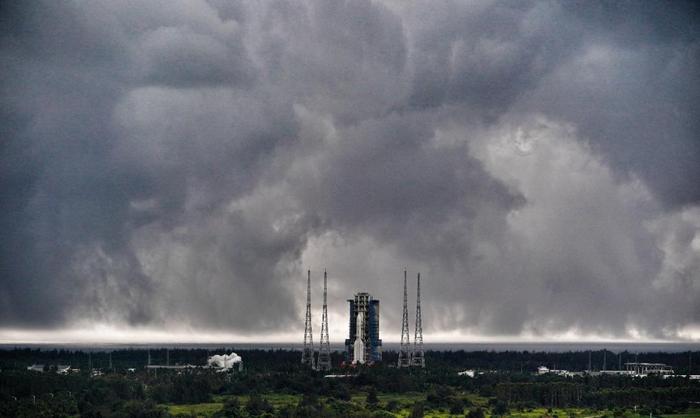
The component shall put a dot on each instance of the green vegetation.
(197, 409)
(274, 384)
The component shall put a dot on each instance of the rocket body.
(359, 345)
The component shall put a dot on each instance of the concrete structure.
(375, 344)
(58, 368)
(473, 373)
(640, 369)
(632, 369)
(364, 329)
(36, 368)
(171, 367)
(614, 372)
(546, 370)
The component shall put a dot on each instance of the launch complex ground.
(363, 345)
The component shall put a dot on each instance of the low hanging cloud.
(180, 164)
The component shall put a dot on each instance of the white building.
(225, 362)
(643, 369)
(36, 368)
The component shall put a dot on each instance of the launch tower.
(307, 356)
(324, 354)
(418, 357)
(405, 350)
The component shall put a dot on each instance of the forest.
(273, 383)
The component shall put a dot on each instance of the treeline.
(568, 394)
(122, 392)
(28, 394)
(528, 361)
(121, 359)
(261, 360)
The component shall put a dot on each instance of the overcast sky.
(178, 165)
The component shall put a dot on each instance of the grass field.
(690, 413)
(198, 409)
(405, 401)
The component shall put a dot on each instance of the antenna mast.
(418, 358)
(307, 356)
(324, 355)
(405, 351)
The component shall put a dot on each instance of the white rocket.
(359, 345)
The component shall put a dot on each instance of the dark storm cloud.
(178, 163)
(180, 57)
(58, 92)
(488, 55)
(640, 109)
(410, 192)
(491, 57)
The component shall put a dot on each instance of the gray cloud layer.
(182, 163)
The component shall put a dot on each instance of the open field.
(198, 409)
(406, 400)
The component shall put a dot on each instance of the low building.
(566, 373)
(643, 369)
(616, 372)
(58, 368)
(36, 368)
(225, 362)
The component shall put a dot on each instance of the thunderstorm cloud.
(180, 164)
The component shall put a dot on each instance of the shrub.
(476, 413)
(417, 411)
(392, 406)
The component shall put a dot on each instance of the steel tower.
(307, 356)
(418, 357)
(405, 350)
(324, 354)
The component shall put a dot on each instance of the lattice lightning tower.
(324, 355)
(405, 350)
(307, 356)
(418, 358)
